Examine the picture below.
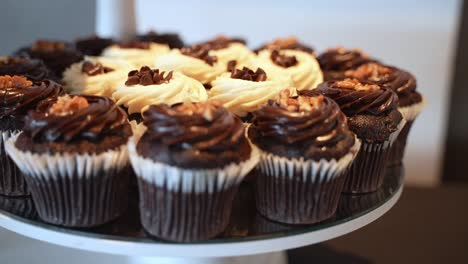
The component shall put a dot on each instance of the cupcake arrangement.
(81, 121)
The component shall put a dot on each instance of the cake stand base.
(268, 258)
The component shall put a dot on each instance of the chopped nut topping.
(92, 69)
(299, 103)
(206, 109)
(12, 60)
(15, 81)
(288, 43)
(200, 52)
(283, 60)
(247, 74)
(370, 71)
(356, 85)
(48, 46)
(135, 44)
(147, 76)
(343, 50)
(67, 105)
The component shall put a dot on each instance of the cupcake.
(335, 62)
(301, 66)
(230, 51)
(73, 155)
(18, 96)
(410, 101)
(305, 146)
(93, 45)
(289, 43)
(189, 164)
(57, 55)
(195, 61)
(243, 91)
(136, 52)
(96, 76)
(32, 69)
(373, 116)
(147, 87)
(171, 39)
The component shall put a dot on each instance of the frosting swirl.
(93, 45)
(302, 67)
(312, 127)
(400, 81)
(287, 43)
(137, 53)
(171, 39)
(355, 98)
(197, 132)
(32, 69)
(18, 95)
(72, 119)
(179, 88)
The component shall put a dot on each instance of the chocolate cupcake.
(289, 43)
(73, 154)
(373, 116)
(173, 40)
(18, 96)
(93, 45)
(32, 69)
(306, 146)
(152, 86)
(243, 91)
(410, 101)
(57, 55)
(135, 52)
(99, 76)
(335, 62)
(189, 164)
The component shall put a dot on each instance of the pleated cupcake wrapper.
(12, 182)
(76, 190)
(20, 206)
(299, 191)
(410, 113)
(367, 172)
(352, 204)
(191, 180)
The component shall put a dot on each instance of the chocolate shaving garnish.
(231, 65)
(200, 52)
(67, 105)
(283, 60)
(135, 44)
(147, 76)
(93, 69)
(369, 71)
(48, 46)
(15, 81)
(249, 75)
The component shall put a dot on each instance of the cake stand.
(249, 238)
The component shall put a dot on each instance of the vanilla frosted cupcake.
(231, 50)
(136, 52)
(150, 87)
(244, 91)
(195, 62)
(96, 76)
(301, 66)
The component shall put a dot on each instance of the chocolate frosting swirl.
(171, 39)
(221, 42)
(102, 117)
(93, 45)
(293, 127)
(340, 59)
(32, 69)
(201, 134)
(16, 101)
(400, 81)
(356, 98)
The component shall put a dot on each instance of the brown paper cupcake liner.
(19, 206)
(298, 191)
(75, 190)
(12, 182)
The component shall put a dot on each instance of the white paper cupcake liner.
(324, 170)
(190, 180)
(410, 113)
(67, 164)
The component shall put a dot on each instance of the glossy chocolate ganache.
(33, 69)
(193, 135)
(401, 82)
(334, 62)
(312, 127)
(83, 124)
(371, 109)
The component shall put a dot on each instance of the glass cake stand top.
(248, 232)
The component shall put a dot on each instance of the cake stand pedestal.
(249, 238)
